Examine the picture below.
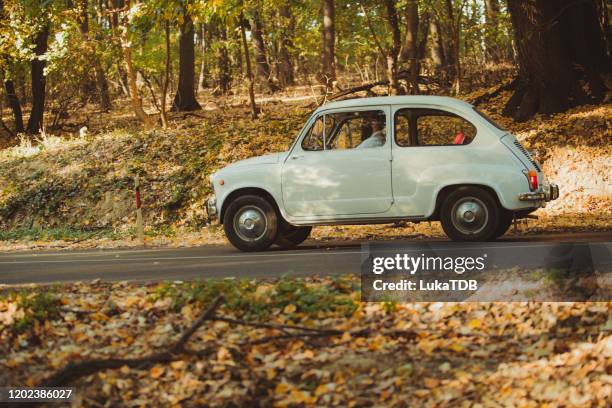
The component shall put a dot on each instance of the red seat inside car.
(459, 138)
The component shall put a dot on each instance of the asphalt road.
(151, 264)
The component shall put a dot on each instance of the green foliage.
(249, 299)
(79, 54)
(64, 233)
(569, 283)
(389, 307)
(34, 306)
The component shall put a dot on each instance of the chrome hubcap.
(470, 215)
(250, 223)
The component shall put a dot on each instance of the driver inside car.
(378, 136)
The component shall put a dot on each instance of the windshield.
(488, 119)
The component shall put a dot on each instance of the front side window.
(347, 130)
(314, 139)
(432, 127)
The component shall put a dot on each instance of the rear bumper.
(547, 193)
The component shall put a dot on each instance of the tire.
(505, 221)
(470, 214)
(292, 236)
(251, 223)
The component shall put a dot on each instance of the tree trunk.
(237, 57)
(492, 49)
(559, 43)
(605, 26)
(164, 96)
(88, 84)
(98, 84)
(328, 73)
(436, 51)
(453, 29)
(102, 84)
(285, 69)
(126, 49)
(15, 105)
(35, 122)
(423, 35)
(249, 70)
(202, 43)
(223, 79)
(123, 81)
(184, 99)
(9, 86)
(113, 23)
(101, 81)
(410, 52)
(261, 56)
(393, 53)
(587, 45)
(133, 87)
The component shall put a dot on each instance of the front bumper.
(547, 193)
(211, 208)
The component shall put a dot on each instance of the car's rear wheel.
(470, 214)
(251, 223)
(505, 221)
(292, 236)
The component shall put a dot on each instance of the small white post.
(139, 224)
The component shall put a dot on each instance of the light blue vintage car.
(381, 160)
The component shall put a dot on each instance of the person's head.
(376, 123)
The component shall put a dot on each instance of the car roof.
(397, 100)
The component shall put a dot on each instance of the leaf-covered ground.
(310, 342)
(73, 191)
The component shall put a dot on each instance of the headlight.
(211, 207)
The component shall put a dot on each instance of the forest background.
(98, 92)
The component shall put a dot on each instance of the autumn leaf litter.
(425, 354)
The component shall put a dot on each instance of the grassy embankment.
(72, 191)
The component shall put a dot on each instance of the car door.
(341, 166)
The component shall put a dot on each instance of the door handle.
(296, 157)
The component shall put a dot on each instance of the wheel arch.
(249, 191)
(446, 190)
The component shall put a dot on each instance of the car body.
(381, 160)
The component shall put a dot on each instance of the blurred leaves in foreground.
(372, 354)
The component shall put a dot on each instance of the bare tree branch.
(74, 371)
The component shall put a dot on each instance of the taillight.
(533, 180)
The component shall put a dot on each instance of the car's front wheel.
(251, 223)
(292, 236)
(470, 214)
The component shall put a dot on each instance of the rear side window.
(432, 127)
(403, 133)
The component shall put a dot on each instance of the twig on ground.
(331, 333)
(76, 311)
(74, 371)
(207, 315)
(276, 326)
